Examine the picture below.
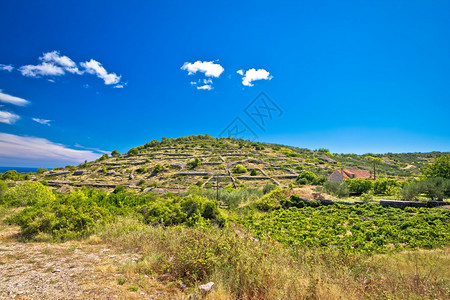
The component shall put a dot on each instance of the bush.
(359, 185)
(269, 187)
(64, 217)
(157, 168)
(115, 153)
(411, 191)
(308, 177)
(3, 189)
(11, 175)
(193, 163)
(337, 189)
(253, 172)
(440, 168)
(142, 170)
(188, 210)
(385, 186)
(239, 169)
(272, 200)
(28, 193)
(436, 188)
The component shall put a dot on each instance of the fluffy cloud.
(209, 68)
(8, 118)
(44, 69)
(8, 68)
(34, 151)
(5, 98)
(96, 68)
(54, 64)
(42, 121)
(253, 74)
(207, 87)
(60, 60)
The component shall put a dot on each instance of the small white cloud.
(34, 151)
(207, 81)
(63, 61)
(8, 68)
(86, 86)
(96, 68)
(207, 87)
(118, 86)
(209, 68)
(42, 121)
(5, 98)
(193, 82)
(8, 118)
(44, 69)
(240, 72)
(253, 74)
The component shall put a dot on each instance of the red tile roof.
(355, 173)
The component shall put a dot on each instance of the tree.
(374, 160)
(306, 177)
(115, 153)
(440, 168)
(239, 169)
(193, 163)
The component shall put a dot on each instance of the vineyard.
(359, 228)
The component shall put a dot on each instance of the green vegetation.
(362, 228)
(193, 163)
(239, 169)
(440, 168)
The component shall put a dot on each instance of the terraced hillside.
(173, 165)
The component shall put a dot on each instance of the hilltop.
(175, 164)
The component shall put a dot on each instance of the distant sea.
(18, 169)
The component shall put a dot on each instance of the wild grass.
(244, 268)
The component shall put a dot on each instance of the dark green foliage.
(253, 172)
(355, 228)
(64, 217)
(193, 163)
(386, 186)
(359, 186)
(411, 192)
(157, 168)
(115, 153)
(142, 170)
(41, 170)
(436, 188)
(308, 177)
(189, 210)
(336, 189)
(133, 151)
(269, 187)
(103, 157)
(11, 175)
(239, 169)
(28, 193)
(440, 168)
(272, 200)
(3, 189)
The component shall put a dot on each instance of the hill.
(175, 164)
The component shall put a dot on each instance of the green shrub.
(157, 168)
(337, 189)
(272, 200)
(269, 187)
(3, 189)
(253, 172)
(385, 186)
(142, 170)
(436, 188)
(41, 170)
(239, 169)
(193, 163)
(411, 191)
(440, 168)
(189, 210)
(11, 175)
(28, 193)
(115, 153)
(64, 217)
(359, 185)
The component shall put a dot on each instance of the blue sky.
(350, 76)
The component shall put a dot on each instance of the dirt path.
(72, 270)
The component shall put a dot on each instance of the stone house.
(340, 175)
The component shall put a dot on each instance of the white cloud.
(63, 61)
(209, 68)
(207, 87)
(253, 74)
(119, 86)
(8, 68)
(42, 121)
(207, 81)
(8, 118)
(96, 68)
(23, 150)
(55, 64)
(193, 83)
(5, 98)
(240, 72)
(44, 69)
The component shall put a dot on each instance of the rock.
(56, 271)
(79, 172)
(206, 287)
